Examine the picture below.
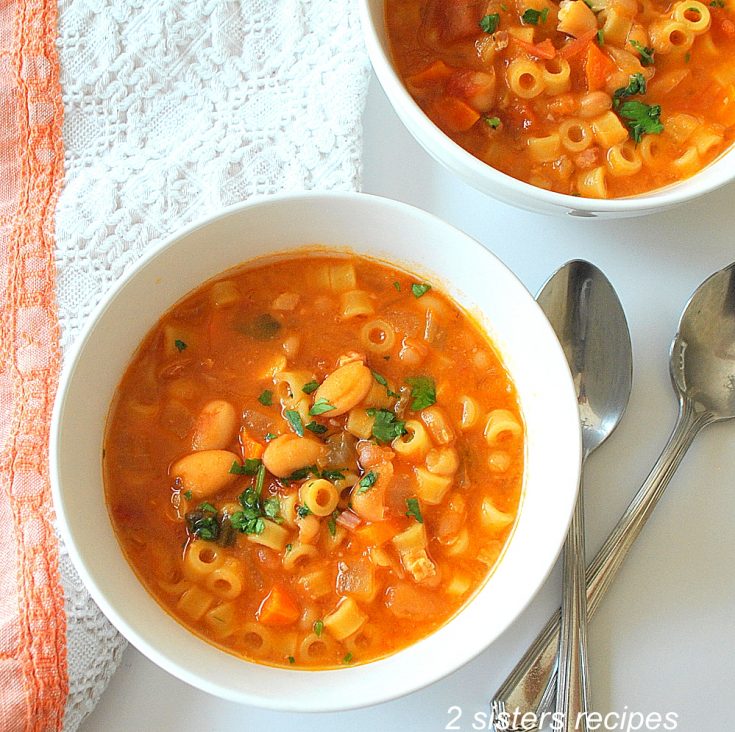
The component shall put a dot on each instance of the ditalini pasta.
(566, 95)
(325, 503)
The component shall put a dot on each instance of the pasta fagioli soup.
(314, 461)
(594, 98)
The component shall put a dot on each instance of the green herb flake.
(717, 4)
(301, 474)
(187, 495)
(645, 52)
(423, 392)
(687, 57)
(600, 37)
(316, 428)
(291, 660)
(180, 345)
(260, 479)
(203, 525)
(347, 659)
(367, 482)
(414, 509)
(310, 387)
(419, 290)
(294, 419)
(642, 119)
(636, 85)
(397, 285)
(533, 17)
(272, 509)
(332, 524)
(289, 547)
(249, 467)
(489, 23)
(492, 122)
(333, 475)
(386, 426)
(303, 511)
(266, 398)
(206, 506)
(250, 519)
(318, 627)
(321, 406)
(270, 436)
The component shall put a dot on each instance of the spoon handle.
(530, 686)
(573, 673)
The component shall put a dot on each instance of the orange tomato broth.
(574, 134)
(235, 339)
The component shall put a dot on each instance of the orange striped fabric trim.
(33, 671)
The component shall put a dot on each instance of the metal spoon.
(702, 368)
(589, 321)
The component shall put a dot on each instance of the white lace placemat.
(174, 109)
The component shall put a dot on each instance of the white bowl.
(366, 225)
(501, 186)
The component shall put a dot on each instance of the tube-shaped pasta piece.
(378, 336)
(224, 294)
(544, 149)
(255, 639)
(498, 461)
(470, 415)
(344, 388)
(459, 583)
(273, 536)
(206, 472)
(355, 303)
(319, 496)
(575, 18)
(442, 461)
(287, 453)
(342, 276)
(288, 509)
(557, 76)
(297, 555)
(201, 559)
(525, 78)
(669, 36)
(687, 163)
(491, 518)
(360, 423)
(575, 135)
(608, 129)
(591, 183)
(378, 397)
(502, 425)
(215, 426)
(460, 545)
(221, 620)
(704, 140)
(414, 444)
(623, 159)
(431, 488)
(411, 539)
(411, 547)
(309, 526)
(651, 152)
(316, 583)
(680, 126)
(225, 581)
(368, 501)
(695, 15)
(316, 647)
(345, 620)
(286, 301)
(438, 423)
(616, 26)
(194, 602)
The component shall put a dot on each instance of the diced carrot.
(251, 448)
(376, 533)
(545, 49)
(597, 66)
(278, 608)
(577, 45)
(453, 114)
(433, 74)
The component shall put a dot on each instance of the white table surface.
(664, 638)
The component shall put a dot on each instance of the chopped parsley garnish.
(318, 627)
(423, 392)
(291, 659)
(717, 4)
(206, 506)
(645, 52)
(321, 406)
(687, 57)
(250, 520)
(270, 436)
(347, 658)
(289, 547)
(310, 387)
(303, 511)
(489, 23)
(180, 345)
(492, 122)
(187, 495)
(532, 17)
(386, 427)
(316, 428)
(419, 290)
(383, 382)
(636, 85)
(397, 285)
(260, 479)
(367, 482)
(332, 524)
(333, 475)
(249, 467)
(294, 419)
(301, 474)
(601, 37)
(203, 525)
(641, 119)
(266, 398)
(414, 509)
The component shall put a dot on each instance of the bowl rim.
(468, 166)
(181, 669)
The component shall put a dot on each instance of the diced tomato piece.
(597, 66)
(453, 114)
(545, 49)
(578, 45)
(278, 608)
